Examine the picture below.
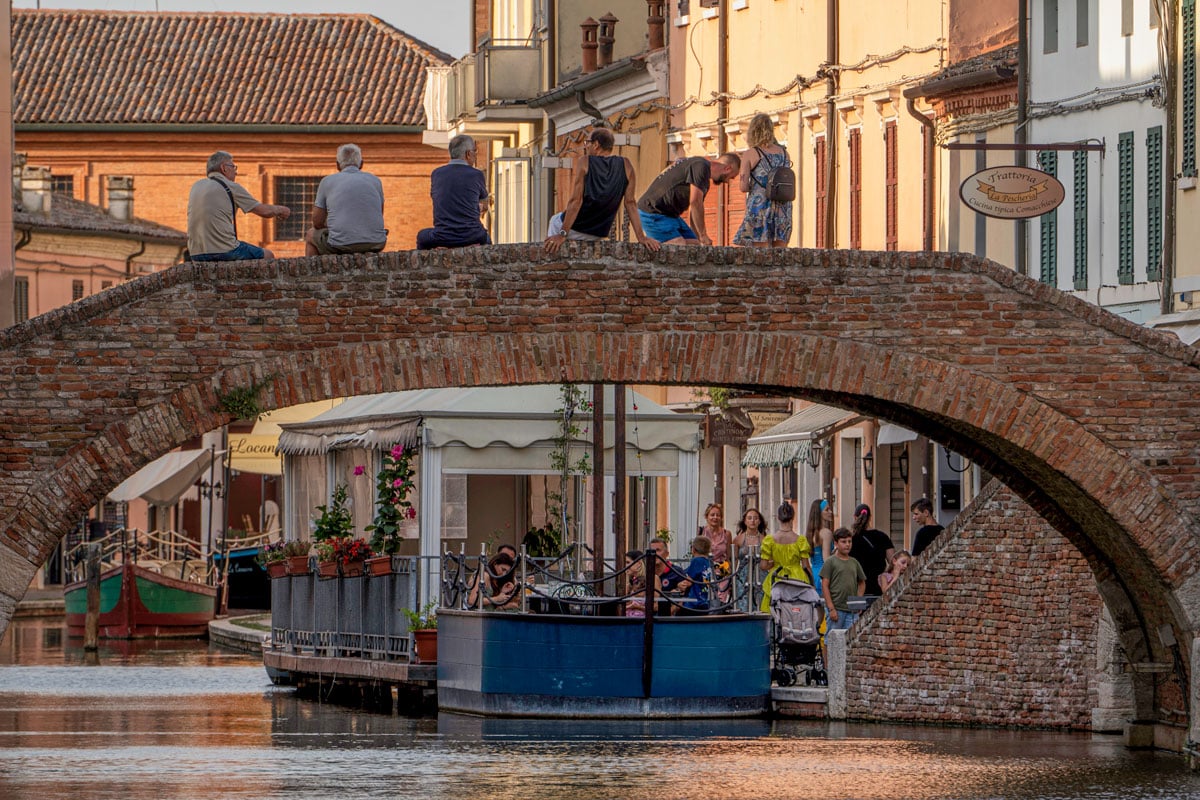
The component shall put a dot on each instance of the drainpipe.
(929, 188)
(26, 235)
(1171, 90)
(722, 110)
(1022, 134)
(129, 261)
(831, 143)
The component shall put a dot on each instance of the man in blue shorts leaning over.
(682, 188)
(212, 214)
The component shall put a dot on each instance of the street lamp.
(902, 462)
(868, 462)
(815, 450)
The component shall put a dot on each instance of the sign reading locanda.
(1012, 192)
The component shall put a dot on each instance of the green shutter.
(1048, 161)
(1154, 203)
(1081, 214)
(1188, 89)
(1125, 208)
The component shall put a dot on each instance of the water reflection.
(183, 720)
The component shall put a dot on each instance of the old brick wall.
(1060, 399)
(996, 624)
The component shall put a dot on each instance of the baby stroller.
(796, 612)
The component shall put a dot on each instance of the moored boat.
(137, 603)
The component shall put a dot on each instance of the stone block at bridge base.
(835, 668)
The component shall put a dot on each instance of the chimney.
(655, 21)
(35, 189)
(606, 37)
(589, 26)
(120, 197)
(18, 166)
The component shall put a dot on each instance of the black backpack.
(781, 181)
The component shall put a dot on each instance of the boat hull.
(549, 666)
(136, 603)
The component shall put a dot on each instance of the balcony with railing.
(508, 75)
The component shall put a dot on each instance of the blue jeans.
(243, 252)
(844, 621)
(662, 228)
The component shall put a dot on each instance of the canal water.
(161, 721)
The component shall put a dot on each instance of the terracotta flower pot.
(277, 569)
(426, 645)
(379, 565)
(352, 569)
(298, 565)
(327, 569)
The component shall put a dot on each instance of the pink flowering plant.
(393, 485)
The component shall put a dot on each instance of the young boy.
(700, 573)
(842, 577)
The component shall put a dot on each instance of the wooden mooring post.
(91, 629)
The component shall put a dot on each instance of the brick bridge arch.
(1091, 419)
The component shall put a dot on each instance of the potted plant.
(542, 542)
(335, 520)
(424, 632)
(295, 557)
(342, 555)
(393, 484)
(271, 558)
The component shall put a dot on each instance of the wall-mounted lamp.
(815, 451)
(903, 463)
(869, 466)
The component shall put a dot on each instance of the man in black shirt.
(600, 183)
(682, 188)
(871, 547)
(922, 514)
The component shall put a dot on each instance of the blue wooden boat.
(561, 666)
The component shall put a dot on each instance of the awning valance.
(298, 443)
(778, 454)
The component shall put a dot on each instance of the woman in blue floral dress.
(766, 224)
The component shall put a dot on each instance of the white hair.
(349, 155)
(217, 159)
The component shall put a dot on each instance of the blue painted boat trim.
(547, 666)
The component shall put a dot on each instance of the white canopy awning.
(894, 434)
(790, 442)
(164, 480)
(515, 418)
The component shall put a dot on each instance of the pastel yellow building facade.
(831, 75)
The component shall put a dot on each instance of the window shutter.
(1125, 230)
(1154, 203)
(891, 186)
(821, 177)
(856, 189)
(1187, 88)
(1080, 191)
(1048, 161)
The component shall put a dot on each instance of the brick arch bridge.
(1094, 421)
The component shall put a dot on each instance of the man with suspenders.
(212, 214)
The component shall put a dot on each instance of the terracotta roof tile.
(111, 67)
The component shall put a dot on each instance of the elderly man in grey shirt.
(347, 215)
(212, 214)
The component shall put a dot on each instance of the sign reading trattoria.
(1012, 192)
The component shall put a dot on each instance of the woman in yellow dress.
(785, 554)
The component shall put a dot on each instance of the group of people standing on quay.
(347, 213)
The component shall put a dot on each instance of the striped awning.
(790, 442)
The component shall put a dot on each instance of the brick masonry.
(996, 624)
(1091, 419)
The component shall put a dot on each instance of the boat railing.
(548, 584)
(168, 551)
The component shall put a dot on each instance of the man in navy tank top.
(600, 184)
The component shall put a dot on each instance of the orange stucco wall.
(164, 166)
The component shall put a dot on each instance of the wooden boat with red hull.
(139, 603)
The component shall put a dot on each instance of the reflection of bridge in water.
(1090, 420)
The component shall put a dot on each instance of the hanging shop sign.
(732, 428)
(1012, 192)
